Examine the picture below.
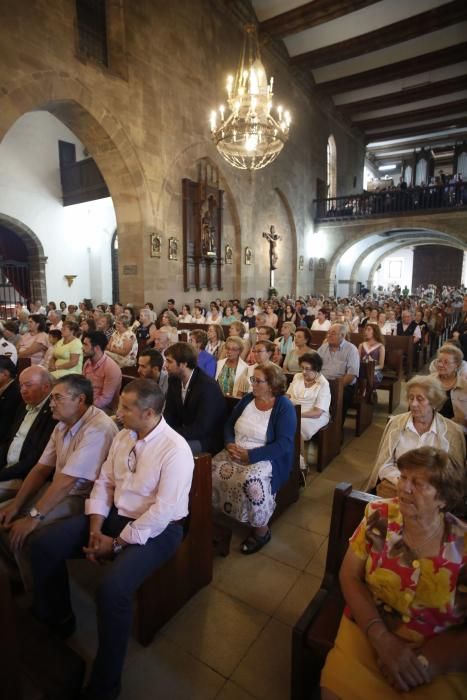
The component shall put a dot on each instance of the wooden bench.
(314, 633)
(404, 343)
(164, 592)
(392, 377)
(329, 438)
(318, 338)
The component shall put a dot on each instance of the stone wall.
(146, 123)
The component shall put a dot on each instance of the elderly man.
(55, 319)
(10, 397)
(340, 359)
(408, 326)
(134, 522)
(161, 341)
(195, 405)
(103, 372)
(104, 323)
(58, 484)
(151, 366)
(29, 430)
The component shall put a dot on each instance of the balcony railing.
(387, 202)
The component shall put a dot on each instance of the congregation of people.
(103, 409)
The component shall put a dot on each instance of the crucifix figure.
(272, 237)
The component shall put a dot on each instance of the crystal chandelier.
(247, 135)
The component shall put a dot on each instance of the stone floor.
(232, 641)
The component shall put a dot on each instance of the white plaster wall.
(76, 239)
(383, 276)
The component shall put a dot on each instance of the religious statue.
(272, 237)
(208, 229)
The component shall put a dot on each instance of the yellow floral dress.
(417, 598)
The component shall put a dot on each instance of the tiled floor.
(232, 641)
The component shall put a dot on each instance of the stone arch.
(293, 231)
(36, 257)
(83, 112)
(421, 241)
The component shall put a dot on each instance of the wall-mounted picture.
(301, 262)
(248, 256)
(228, 254)
(173, 249)
(311, 264)
(156, 244)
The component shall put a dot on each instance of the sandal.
(254, 543)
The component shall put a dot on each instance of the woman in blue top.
(258, 455)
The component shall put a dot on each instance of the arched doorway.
(22, 265)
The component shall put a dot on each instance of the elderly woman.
(258, 455)
(310, 390)
(67, 356)
(34, 343)
(215, 340)
(123, 346)
(285, 342)
(448, 372)
(422, 425)
(372, 349)
(237, 329)
(168, 322)
(145, 322)
(302, 342)
(231, 369)
(404, 581)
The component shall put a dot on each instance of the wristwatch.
(116, 547)
(34, 513)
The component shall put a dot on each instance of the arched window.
(114, 260)
(331, 167)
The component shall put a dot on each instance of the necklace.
(420, 544)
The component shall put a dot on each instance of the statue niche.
(202, 229)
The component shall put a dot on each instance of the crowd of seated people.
(62, 420)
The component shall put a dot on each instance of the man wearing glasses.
(73, 457)
(134, 519)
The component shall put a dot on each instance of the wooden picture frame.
(228, 254)
(173, 249)
(301, 262)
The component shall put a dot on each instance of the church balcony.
(417, 200)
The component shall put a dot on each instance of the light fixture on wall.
(70, 279)
(247, 135)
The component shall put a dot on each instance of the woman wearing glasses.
(310, 389)
(231, 370)
(258, 455)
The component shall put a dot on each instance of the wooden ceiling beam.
(433, 142)
(395, 71)
(403, 132)
(390, 35)
(443, 110)
(422, 92)
(311, 14)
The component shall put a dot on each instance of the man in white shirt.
(134, 519)
(7, 349)
(74, 454)
(55, 319)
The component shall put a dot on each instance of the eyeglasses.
(58, 398)
(253, 380)
(132, 460)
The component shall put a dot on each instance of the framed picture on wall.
(173, 249)
(301, 262)
(248, 256)
(155, 245)
(228, 254)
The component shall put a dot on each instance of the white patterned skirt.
(242, 491)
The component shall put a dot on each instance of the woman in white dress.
(310, 389)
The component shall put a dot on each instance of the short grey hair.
(449, 349)
(431, 387)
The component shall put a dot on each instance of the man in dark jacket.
(29, 432)
(195, 406)
(10, 397)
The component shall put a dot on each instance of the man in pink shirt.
(103, 372)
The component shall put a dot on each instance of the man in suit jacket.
(29, 431)
(10, 397)
(195, 406)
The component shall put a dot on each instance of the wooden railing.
(368, 204)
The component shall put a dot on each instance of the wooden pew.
(318, 338)
(363, 398)
(404, 343)
(23, 363)
(392, 377)
(164, 592)
(314, 633)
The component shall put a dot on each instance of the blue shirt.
(344, 360)
(207, 363)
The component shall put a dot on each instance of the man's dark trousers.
(64, 540)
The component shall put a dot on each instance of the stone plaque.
(130, 269)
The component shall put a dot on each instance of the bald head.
(35, 384)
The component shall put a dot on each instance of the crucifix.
(272, 237)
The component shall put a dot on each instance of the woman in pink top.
(35, 342)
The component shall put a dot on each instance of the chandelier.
(247, 135)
